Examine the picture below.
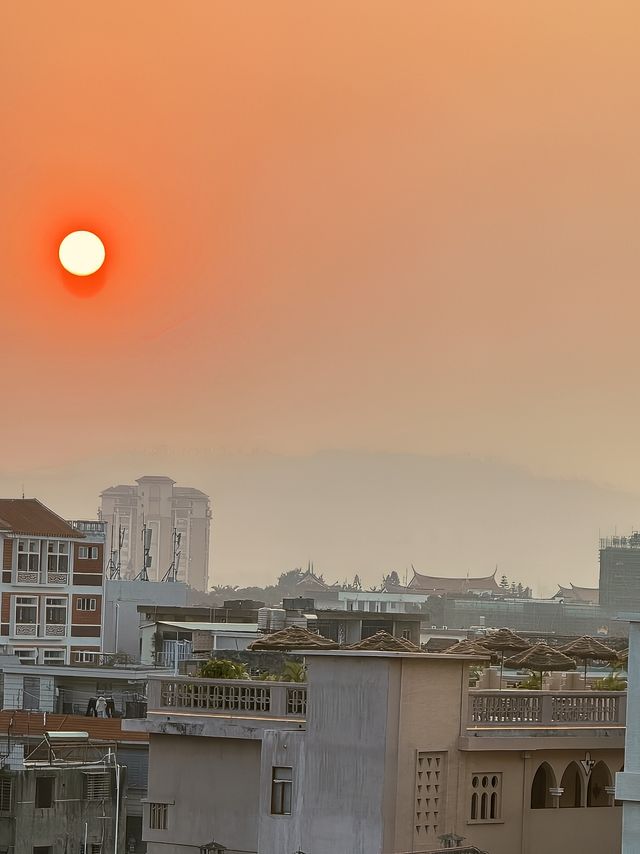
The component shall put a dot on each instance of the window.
(92, 848)
(42, 849)
(26, 610)
(26, 656)
(56, 611)
(281, 790)
(158, 814)
(53, 656)
(5, 794)
(85, 656)
(486, 797)
(28, 556)
(97, 786)
(88, 552)
(85, 604)
(44, 792)
(406, 634)
(57, 556)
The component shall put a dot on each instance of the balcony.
(223, 707)
(57, 578)
(500, 715)
(55, 630)
(25, 630)
(27, 577)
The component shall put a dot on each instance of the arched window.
(600, 778)
(543, 780)
(484, 801)
(572, 785)
(474, 806)
(493, 812)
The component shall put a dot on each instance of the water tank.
(264, 619)
(278, 618)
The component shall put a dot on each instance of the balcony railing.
(567, 709)
(55, 630)
(25, 630)
(25, 577)
(242, 698)
(57, 578)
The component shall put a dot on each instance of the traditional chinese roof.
(438, 584)
(29, 517)
(589, 595)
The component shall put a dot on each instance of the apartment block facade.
(51, 588)
(164, 508)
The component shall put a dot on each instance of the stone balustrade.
(513, 709)
(235, 697)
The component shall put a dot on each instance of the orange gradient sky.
(381, 226)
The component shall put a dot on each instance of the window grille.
(158, 816)
(98, 786)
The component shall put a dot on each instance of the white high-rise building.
(155, 502)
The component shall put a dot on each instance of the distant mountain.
(354, 512)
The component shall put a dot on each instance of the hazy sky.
(405, 227)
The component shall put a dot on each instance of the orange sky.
(383, 226)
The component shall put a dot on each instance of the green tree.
(222, 668)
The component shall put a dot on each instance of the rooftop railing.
(564, 709)
(235, 697)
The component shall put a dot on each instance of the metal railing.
(513, 709)
(231, 696)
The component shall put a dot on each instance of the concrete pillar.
(628, 781)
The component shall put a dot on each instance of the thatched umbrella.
(623, 656)
(471, 647)
(294, 637)
(504, 640)
(586, 649)
(541, 657)
(384, 642)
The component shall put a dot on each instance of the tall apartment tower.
(156, 503)
(620, 572)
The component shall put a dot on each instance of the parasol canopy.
(294, 637)
(504, 640)
(586, 649)
(470, 647)
(623, 656)
(541, 657)
(384, 642)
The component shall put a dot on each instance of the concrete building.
(122, 599)
(380, 752)
(164, 508)
(620, 573)
(51, 588)
(628, 780)
(49, 796)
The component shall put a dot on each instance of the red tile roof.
(37, 723)
(30, 517)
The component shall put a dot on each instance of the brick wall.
(85, 570)
(86, 618)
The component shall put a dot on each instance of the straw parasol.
(623, 656)
(541, 657)
(586, 649)
(384, 642)
(504, 640)
(470, 647)
(294, 637)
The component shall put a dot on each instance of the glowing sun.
(81, 253)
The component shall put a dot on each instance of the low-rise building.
(380, 752)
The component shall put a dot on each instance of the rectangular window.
(28, 555)
(57, 557)
(56, 611)
(53, 656)
(97, 786)
(85, 604)
(85, 656)
(26, 610)
(26, 655)
(88, 552)
(281, 791)
(485, 802)
(5, 794)
(158, 816)
(44, 792)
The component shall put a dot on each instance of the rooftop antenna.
(143, 575)
(114, 563)
(172, 573)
